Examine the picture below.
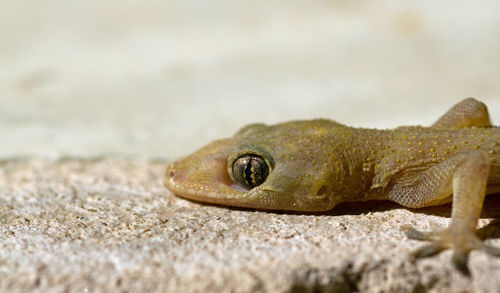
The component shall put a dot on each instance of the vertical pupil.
(248, 173)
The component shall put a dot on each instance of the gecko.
(313, 165)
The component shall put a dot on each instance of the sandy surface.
(97, 97)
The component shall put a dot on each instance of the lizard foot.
(461, 242)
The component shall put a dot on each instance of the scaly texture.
(315, 165)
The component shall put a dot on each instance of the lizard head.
(266, 167)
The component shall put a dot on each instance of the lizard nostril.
(171, 174)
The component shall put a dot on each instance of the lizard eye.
(250, 170)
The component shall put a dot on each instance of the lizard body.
(317, 164)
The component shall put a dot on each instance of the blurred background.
(162, 78)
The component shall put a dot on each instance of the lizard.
(313, 165)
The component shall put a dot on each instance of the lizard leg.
(467, 113)
(466, 176)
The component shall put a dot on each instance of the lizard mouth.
(215, 191)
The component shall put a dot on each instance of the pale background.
(162, 78)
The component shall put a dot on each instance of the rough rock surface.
(108, 224)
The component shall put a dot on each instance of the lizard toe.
(428, 250)
(461, 243)
(415, 234)
(491, 250)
